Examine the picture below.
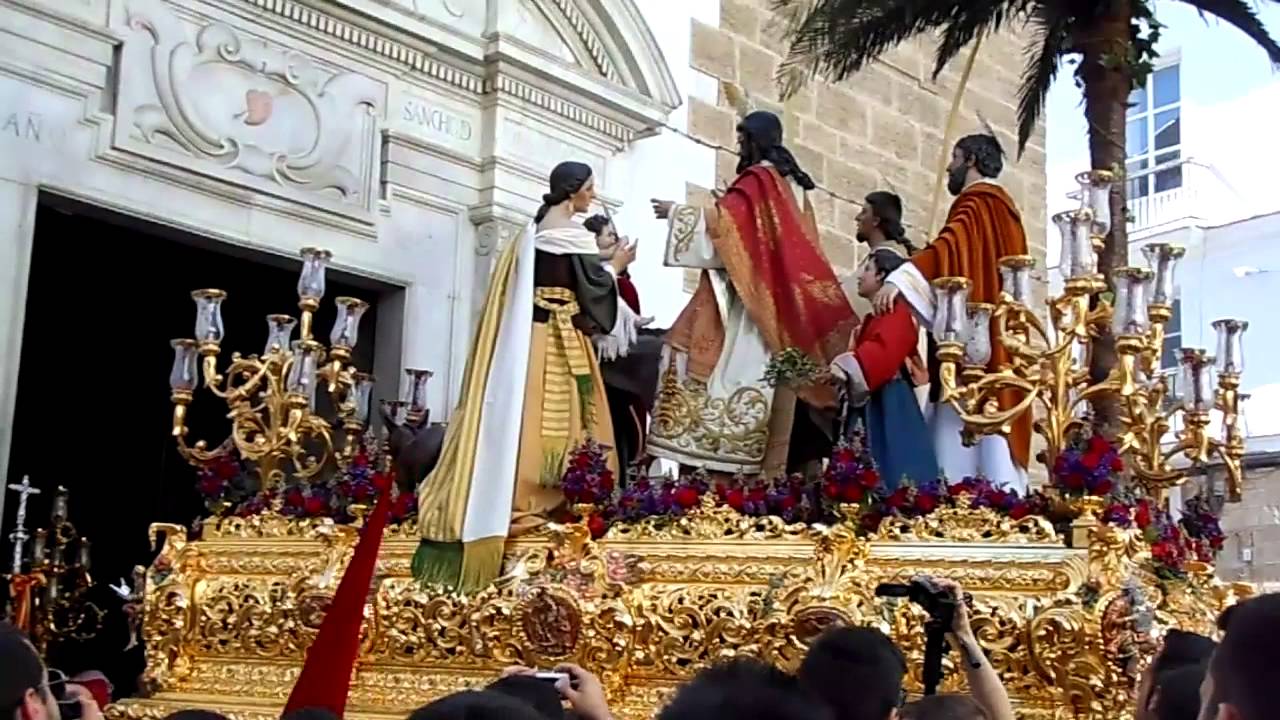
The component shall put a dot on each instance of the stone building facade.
(880, 129)
(1252, 526)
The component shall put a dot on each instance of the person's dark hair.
(857, 672)
(943, 707)
(743, 689)
(985, 151)
(537, 694)
(887, 208)
(886, 261)
(596, 224)
(1224, 618)
(566, 179)
(1180, 649)
(23, 669)
(763, 132)
(1246, 665)
(475, 705)
(195, 715)
(311, 713)
(1177, 692)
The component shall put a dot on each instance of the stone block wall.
(880, 129)
(1252, 528)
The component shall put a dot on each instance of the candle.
(38, 547)
(59, 512)
(84, 554)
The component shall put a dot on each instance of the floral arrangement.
(1087, 466)
(1203, 530)
(791, 368)
(230, 488)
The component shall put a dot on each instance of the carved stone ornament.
(246, 105)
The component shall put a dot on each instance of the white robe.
(723, 427)
(990, 458)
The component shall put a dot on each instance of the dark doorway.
(106, 293)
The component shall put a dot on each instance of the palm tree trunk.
(1107, 79)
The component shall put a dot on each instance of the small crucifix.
(19, 535)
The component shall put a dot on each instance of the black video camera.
(938, 602)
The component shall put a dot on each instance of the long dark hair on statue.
(887, 207)
(886, 261)
(566, 179)
(985, 150)
(763, 131)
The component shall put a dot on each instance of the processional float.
(1072, 587)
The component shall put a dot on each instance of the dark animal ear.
(386, 418)
(426, 419)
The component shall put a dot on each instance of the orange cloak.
(983, 226)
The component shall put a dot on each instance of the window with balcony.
(1153, 134)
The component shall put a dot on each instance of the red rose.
(757, 494)
(1074, 481)
(314, 505)
(382, 481)
(582, 461)
(735, 499)
(831, 490)
(788, 502)
(597, 526)
(606, 481)
(1142, 516)
(1098, 445)
(360, 493)
(869, 478)
(360, 460)
(1117, 464)
(1103, 487)
(926, 503)
(959, 488)
(900, 498)
(211, 485)
(852, 493)
(293, 498)
(1019, 511)
(686, 497)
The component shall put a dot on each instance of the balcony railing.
(1172, 192)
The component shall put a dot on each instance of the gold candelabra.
(272, 396)
(1047, 365)
(50, 597)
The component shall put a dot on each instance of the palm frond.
(1043, 57)
(840, 37)
(977, 17)
(1240, 14)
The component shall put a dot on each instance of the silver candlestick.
(19, 535)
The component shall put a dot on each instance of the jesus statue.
(765, 287)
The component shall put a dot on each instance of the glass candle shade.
(182, 376)
(1230, 345)
(311, 279)
(302, 374)
(279, 333)
(85, 554)
(346, 326)
(1095, 194)
(1197, 380)
(977, 346)
(361, 394)
(208, 315)
(950, 313)
(1015, 277)
(58, 513)
(396, 411)
(1129, 314)
(1078, 258)
(1163, 259)
(38, 545)
(418, 380)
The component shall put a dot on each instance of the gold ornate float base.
(228, 617)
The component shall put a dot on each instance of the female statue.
(532, 392)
